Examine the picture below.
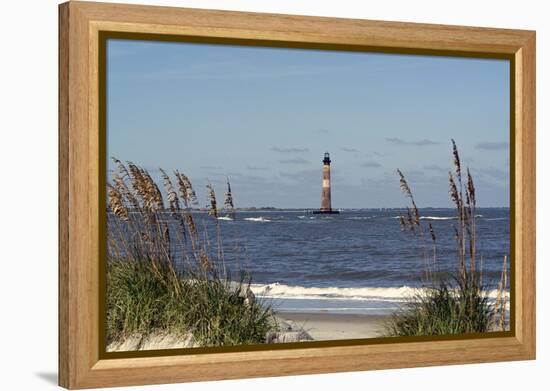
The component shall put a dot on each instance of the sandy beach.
(295, 327)
(330, 326)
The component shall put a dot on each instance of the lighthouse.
(326, 206)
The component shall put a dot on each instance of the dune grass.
(165, 275)
(442, 310)
(144, 298)
(457, 303)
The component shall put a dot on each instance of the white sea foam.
(437, 218)
(257, 219)
(301, 217)
(394, 294)
(277, 290)
(359, 218)
(493, 294)
(225, 218)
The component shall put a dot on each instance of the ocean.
(356, 262)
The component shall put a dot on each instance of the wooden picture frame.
(81, 174)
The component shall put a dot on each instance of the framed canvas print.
(248, 195)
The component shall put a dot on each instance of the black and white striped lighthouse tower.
(326, 206)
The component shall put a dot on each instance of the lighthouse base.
(325, 212)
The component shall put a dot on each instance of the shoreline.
(331, 326)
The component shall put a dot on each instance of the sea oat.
(186, 190)
(456, 162)
(453, 191)
(228, 203)
(172, 195)
(116, 203)
(213, 207)
(432, 232)
(153, 195)
(403, 184)
(471, 188)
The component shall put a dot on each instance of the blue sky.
(264, 117)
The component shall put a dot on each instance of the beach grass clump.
(138, 299)
(456, 303)
(164, 274)
(142, 300)
(442, 310)
(220, 314)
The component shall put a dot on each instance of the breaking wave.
(277, 290)
(396, 294)
(437, 218)
(225, 218)
(257, 219)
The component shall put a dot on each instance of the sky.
(263, 117)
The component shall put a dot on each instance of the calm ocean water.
(357, 261)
